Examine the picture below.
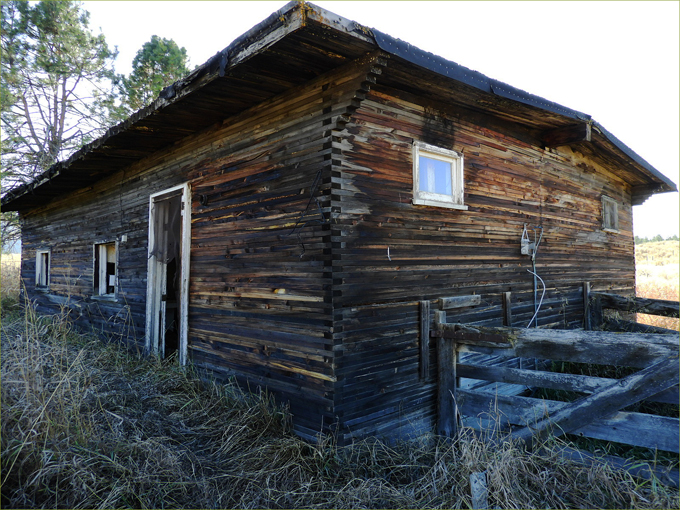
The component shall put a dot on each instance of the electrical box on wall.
(526, 246)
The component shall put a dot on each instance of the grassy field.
(9, 275)
(88, 425)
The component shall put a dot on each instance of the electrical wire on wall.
(531, 249)
(537, 308)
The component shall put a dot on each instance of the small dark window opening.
(105, 269)
(42, 269)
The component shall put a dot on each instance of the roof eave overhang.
(657, 182)
(277, 26)
(280, 25)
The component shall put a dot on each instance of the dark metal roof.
(464, 75)
(294, 44)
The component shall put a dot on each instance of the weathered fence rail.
(600, 407)
(596, 302)
(661, 307)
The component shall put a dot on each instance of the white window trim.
(39, 268)
(453, 201)
(608, 201)
(150, 338)
(96, 265)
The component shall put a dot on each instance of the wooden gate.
(599, 407)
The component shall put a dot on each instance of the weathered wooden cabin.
(293, 213)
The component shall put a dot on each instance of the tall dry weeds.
(89, 425)
(658, 277)
(9, 279)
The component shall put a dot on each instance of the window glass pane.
(435, 176)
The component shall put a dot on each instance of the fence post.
(596, 317)
(424, 340)
(447, 413)
(479, 491)
(507, 309)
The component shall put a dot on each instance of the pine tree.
(159, 63)
(55, 90)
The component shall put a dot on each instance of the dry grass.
(88, 425)
(9, 275)
(657, 274)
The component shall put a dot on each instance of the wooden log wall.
(394, 254)
(70, 227)
(261, 283)
(261, 268)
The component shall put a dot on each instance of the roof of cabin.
(295, 44)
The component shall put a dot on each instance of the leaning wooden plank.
(447, 424)
(640, 305)
(636, 429)
(459, 302)
(491, 413)
(617, 395)
(552, 380)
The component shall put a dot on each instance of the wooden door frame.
(153, 294)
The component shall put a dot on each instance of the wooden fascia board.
(654, 177)
(584, 133)
(293, 20)
(333, 21)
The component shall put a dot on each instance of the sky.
(617, 61)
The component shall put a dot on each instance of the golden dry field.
(9, 274)
(657, 274)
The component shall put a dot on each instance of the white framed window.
(42, 268)
(105, 269)
(437, 176)
(610, 214)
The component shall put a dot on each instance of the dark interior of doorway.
(167, 249)
(171, 298)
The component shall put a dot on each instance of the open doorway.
(168, 273)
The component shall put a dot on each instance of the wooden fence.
(613, 408)
(597, 302)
